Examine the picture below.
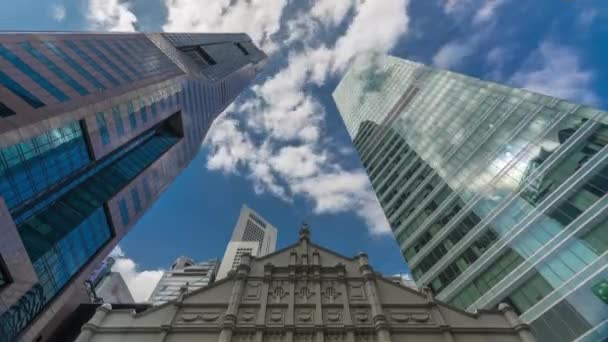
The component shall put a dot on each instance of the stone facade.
(305, 293)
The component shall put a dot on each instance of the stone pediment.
(306, 292)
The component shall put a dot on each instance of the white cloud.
(332, 12)
(487, 11)
(58, 12)
(258, 18)
(140, 283)
(556, 70)
(480, 11)
(290, 159)
(453, 54)
(587, 17)
(111, 15)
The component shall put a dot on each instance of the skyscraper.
(93, 128)
(494, 194)
(253, 235)
(183, 273)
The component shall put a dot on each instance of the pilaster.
(94, 323)
(523, 330)
(348, 321)
(378, 317)
(236, 295)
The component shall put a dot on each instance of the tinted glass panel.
(31, 73)
(19, 91)
(74, 65)
(54, 68)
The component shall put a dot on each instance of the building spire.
(304, 231)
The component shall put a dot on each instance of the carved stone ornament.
(334, 315)
(305, 316)
(190, 317)
(254, 291)
(411, 317)
(361, 316)
(210, 316)
(276, 315)
(331, 294)
(278, 293)
(357, 292)
(304, 294)
(248, 315)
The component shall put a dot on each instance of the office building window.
(242, 48)
(529, 293)
(485, 281)
(103, 128)
(136, 201)
(120, 128)
(19, 91)
(153, 108)
(54, 68)
(5, 111)
(30, 167)
(65, 250)
(31, 73)
(124, 211)
(142, 111)
(132, 118)
(106, 60)
(198, 55)
(61, 237)
(147, 192)
(4, 279)
(118, 57)
(95, 65)
(74, 65)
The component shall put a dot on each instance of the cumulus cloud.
(258, 18)
(58, 12)
(487, 11)
(453, 54)
(557, 70)
(111, 15)
(140, 283)
(480, 11)
(290, 159)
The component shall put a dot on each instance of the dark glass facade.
(127, 115)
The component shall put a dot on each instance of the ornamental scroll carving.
(361, 316)
(304, 293)
(247, 316)
(405, 317)
(200, 317)
(278, 292)
(330, 292)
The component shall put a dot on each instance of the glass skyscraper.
(494, 194)
(93, 128)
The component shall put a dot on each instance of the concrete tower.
(253, 235)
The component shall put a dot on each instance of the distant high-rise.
(253, 235)
(494, 194)
(113, 289)
(184, 273)
(93, 128)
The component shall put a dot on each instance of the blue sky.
(282, 147)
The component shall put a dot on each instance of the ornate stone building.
(304, 293)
